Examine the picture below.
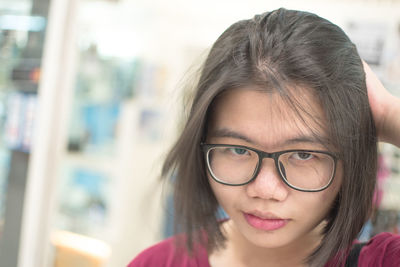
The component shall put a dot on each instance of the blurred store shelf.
(100, 163)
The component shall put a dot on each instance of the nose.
(268, 183)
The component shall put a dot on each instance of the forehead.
(266, 117)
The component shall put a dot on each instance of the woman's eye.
(239, 151)
(303, 156)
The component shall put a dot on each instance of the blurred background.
(91, 99)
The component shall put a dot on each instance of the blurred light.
(81, 244)
(22, 23)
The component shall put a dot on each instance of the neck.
(246, 253)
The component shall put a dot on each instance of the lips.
(265, 221)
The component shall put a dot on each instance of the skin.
(247, 246)
(385, 109)
(262, 120)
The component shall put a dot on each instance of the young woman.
(282, 135)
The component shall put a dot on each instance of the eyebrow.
(311, 139)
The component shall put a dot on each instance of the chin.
(286, 236)
(271, 242)
(268, 239)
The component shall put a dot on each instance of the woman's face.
(266, 212)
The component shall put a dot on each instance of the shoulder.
(156, 254)
(167, 254)
(383, 250)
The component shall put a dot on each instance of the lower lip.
(265, 224)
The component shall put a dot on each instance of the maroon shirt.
(382, 250)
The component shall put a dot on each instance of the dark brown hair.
(272, 51)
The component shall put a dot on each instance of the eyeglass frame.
(275, 156)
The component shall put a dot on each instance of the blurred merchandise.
(19, 125)
(103, 83)
(84, 201)
(392, 67)
(22, 34)
(4, 168)
(93, 128)
(369, 37)
(391, 185)
(386, 213)
(150, 125)
(386, 221)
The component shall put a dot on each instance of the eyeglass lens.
(302, 169)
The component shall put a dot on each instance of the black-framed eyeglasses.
(300, 169)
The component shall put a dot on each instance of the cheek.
(325, 200)
(319, 202)
(326, 197)
(219, 191)
(225, 195)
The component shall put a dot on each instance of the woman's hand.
(385, 109)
